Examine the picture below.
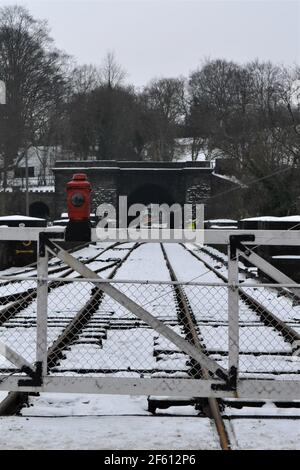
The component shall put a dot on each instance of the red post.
(79, 208)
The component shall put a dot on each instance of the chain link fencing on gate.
(269, 333)
(106, 338)
(18, 321)
(91, 334)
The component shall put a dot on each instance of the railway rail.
(266, 315)
(190, 326)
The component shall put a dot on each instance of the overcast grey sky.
(154, 38)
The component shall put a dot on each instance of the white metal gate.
(231, 357)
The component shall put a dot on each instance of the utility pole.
(2, 92)
(3, 102)
(26, 179)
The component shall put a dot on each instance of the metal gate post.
(233, 315)
(41, 315)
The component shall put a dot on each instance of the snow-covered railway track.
(265, 295)
(30, 270)
(127, 344)
(23, 291)
(78, 327)
(213, 325)
(256, 360)
(264, 303)
(16, 279)
(19, 328)
(19, 321)
(265, 347)
(84, 331)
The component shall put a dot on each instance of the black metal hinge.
(235, 242)
(44, 239)
(36, 376)
(231, 381)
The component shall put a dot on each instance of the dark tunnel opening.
(39, 209)
(148, 195)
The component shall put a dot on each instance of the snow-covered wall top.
(269, 218)
(18, 217)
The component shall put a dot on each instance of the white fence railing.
(33, 181)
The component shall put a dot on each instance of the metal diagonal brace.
(14, 357)
(23, 365)
(139, 311)
(261, 263)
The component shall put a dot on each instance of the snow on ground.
(40, 189)
(65, 421)
(108, 432)
(122, 349)
(186, 267)
(267, 409)
(264, 434)
(183, 150)
(132, 348)
(65, 404)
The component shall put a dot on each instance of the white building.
(40, 161)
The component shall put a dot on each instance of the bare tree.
(288, 133)
(104, 124)
(213, 96)
(112, 74)
(33, 72)
(247, 114)
(85, 78)
(164, 99)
